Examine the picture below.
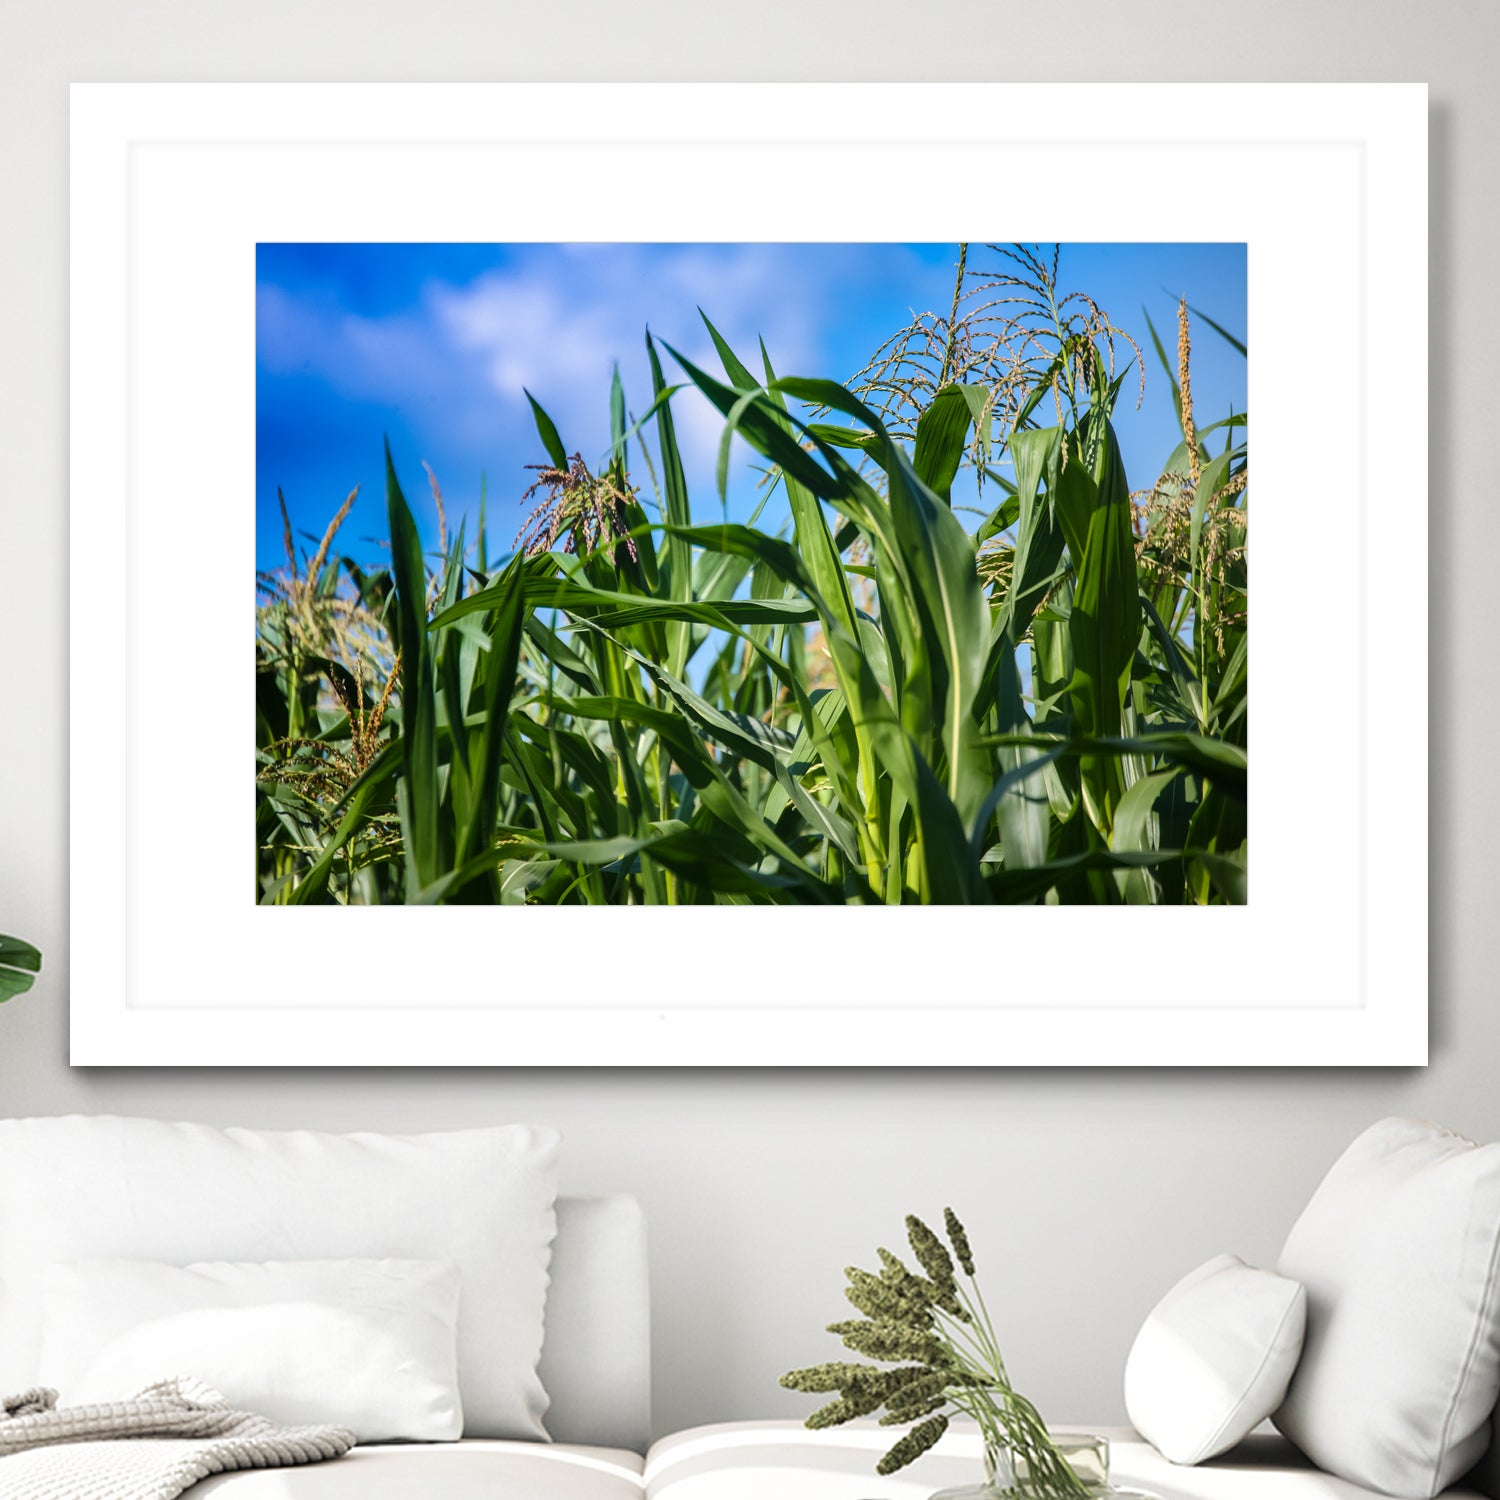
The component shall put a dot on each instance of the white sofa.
(755, 1461)
(596, 1368)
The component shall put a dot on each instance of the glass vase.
(1008, 1477)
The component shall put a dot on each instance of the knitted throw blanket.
(152, 1447)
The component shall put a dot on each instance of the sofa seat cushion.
(757, 1460)
(475, 1469)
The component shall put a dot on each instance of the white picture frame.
(173, 964)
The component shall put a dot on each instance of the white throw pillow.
(1400, 1252)
(109, 1188)
(370, 1345)
(1213, 1359)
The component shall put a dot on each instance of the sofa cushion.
(468, 1470)
(762, 1460)
(365, 1344)
(106, 1187)
(758, 1461)
(1213, 1359)
(1400, 1252)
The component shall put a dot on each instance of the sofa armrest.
(596, 1357)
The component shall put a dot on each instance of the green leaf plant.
(20, 963)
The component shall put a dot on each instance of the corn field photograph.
(746, 574)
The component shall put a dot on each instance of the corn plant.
(877, 704)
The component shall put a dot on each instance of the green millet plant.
(959, 1238)
(936, 1332)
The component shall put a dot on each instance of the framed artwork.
(748, 575)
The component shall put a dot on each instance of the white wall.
(1087, 1193)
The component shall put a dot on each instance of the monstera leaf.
(19, 964)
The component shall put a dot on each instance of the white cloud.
(456, 360)
(362, 359)
(524, 331)
(557, 319)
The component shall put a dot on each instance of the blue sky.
(432, 344)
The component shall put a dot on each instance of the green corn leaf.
(717, 576)
(1024, 812)
(842, 437)
(952, 876)
(1229, 698)
(1223, 332)
(1039, 533)
(755, 742)
(943, 435)
(1210, 481)
(764, 427)
(615, 609)
(1005, 515)
(744, 542)
(547, 430)
(1217, 832)
(678, 561)
(450, 676)
(1074, 497)
(617, 420)
(1105, 625)
(1020, 775)
(561, 655)
(418, 693)
(716, 616)
(944, 593)
(1227, 873)
(853, 663)
(1133, 832)
(737, 371)
(1183, 675)
(480, 544)
(687, 852)
(1224, 764)
(1169, 367)
(717, 793)
(497, 683)
(1017, 887)
(580, 755)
